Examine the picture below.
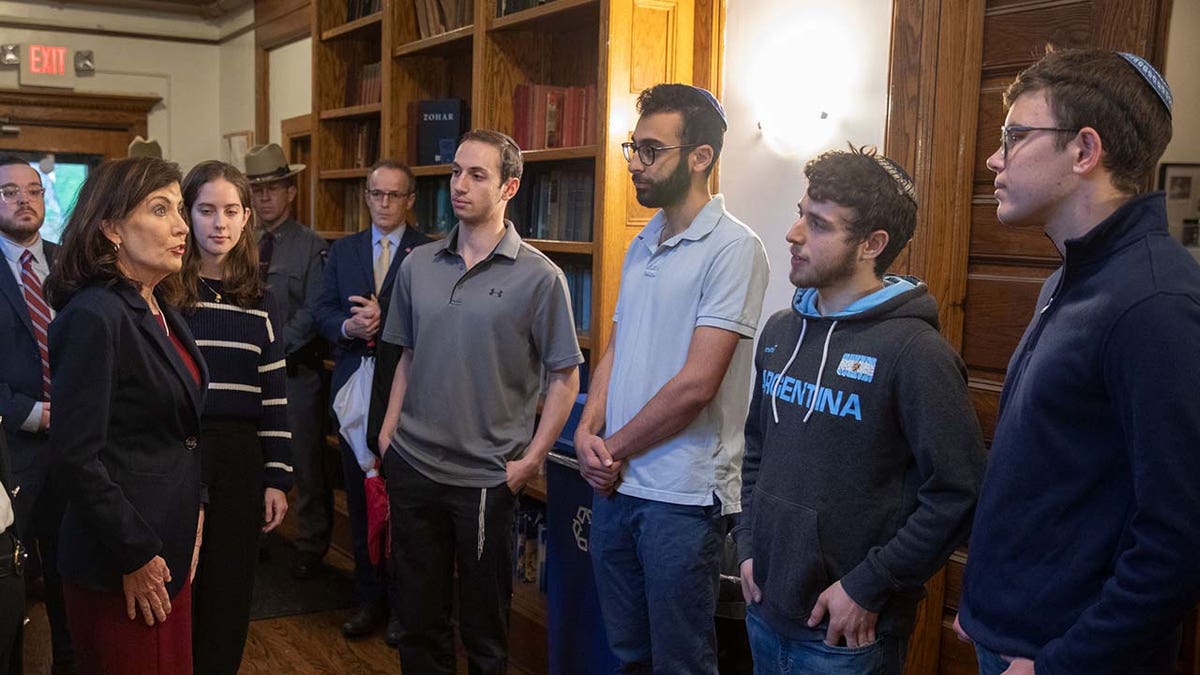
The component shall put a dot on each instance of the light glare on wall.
(803, 78)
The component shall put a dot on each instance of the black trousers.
(313, 510)
(232, 461)
(436, 529)
(12, 611)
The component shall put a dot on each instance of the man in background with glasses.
(1086, 543)
(660, 438)
(290, 257)
(25, 390)
(359, 274)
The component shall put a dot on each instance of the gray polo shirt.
(480, 339)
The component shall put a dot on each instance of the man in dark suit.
(291, 256)
(25, 382)
(350, 310)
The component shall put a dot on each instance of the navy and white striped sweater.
(247, 373)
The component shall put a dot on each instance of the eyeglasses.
(1011, 135)
(380, 195)
(11, 193)
(647, 153)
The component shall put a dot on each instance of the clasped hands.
(596, 463)
(364, 318)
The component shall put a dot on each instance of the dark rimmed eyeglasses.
(646, 154)
(1015, 133)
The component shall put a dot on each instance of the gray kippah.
(903, 182)
(1151, 76)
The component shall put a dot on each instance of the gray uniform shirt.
(295, 280)
(480, 339)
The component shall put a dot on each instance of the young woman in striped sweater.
(245, 442)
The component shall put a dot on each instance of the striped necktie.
(39, 314)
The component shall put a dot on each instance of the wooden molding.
(933, 94)
(79, 109)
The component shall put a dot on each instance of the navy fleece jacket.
(1085, 554)
(872, 479)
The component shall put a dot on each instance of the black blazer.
(126, 417)
(20, 378)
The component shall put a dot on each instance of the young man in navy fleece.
(1085, 554)
(863, 455)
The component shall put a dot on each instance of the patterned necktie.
(39, 314)
(382, 263)
(266, 248)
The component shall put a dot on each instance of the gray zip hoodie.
(863, 457)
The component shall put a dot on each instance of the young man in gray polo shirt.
(480, 315)
(660, 438)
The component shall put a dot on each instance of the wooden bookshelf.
(619, 47)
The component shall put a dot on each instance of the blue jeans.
(990, 663)
(778, 655)
(656, 567)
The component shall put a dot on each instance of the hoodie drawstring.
(778, 378)
(812, 404)
(820, 371)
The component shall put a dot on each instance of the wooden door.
(91, 124)
(951, 61)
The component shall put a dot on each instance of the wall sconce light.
(85, 61)
(801, 111)
(10, 55)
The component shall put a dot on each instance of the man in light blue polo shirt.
(660, 438)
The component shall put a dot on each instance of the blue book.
(440, 123)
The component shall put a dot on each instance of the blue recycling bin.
(577, 641)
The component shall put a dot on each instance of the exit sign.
(47, 66)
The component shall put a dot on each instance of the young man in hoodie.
(659, 438)
(863, 454)
(1085, 554)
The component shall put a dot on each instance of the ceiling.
(207, 9)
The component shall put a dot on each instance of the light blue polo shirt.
(714, 273)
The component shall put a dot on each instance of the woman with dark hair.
(245, 445)
(129, 385)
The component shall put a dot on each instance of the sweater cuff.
(867, 586)
(744, 541)
(279, 479)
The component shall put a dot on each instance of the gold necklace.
(210, 288)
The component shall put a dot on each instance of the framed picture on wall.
(1181, 182)
(235, 145)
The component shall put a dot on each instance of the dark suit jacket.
(20, 389)
(126, 416)
(350, 270)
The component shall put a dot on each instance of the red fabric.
(378, 531)
(107, 642)
(183, 352)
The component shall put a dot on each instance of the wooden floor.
(295, 645)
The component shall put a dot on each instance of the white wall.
(290, 83)
(1183, 55)
(786, 62)
(236, 96)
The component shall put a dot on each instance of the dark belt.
(12, 555)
